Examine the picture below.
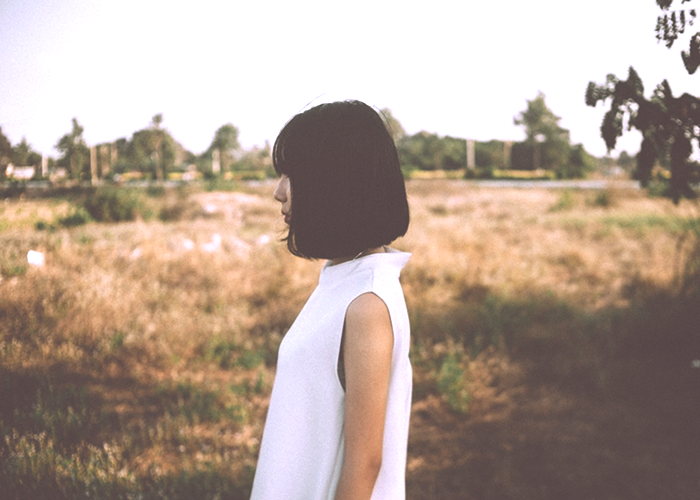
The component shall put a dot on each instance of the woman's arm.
(368, 343)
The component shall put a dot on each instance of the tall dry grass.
(137, 362)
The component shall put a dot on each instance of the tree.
(625, 161)
(669, 26)
(580, 162)
(226, 143)
(123, 153)
(395, 128)
(668, 124)
(522, 156)
(426, 151)
(155, 139)
(454, 153)
(153, 149)
(549, 141)
(5, 152)
(75, 154)
(490, 155)
(421, 151)
(256, 163)
(24, 155)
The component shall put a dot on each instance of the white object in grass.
(213, 245)
(35, 258)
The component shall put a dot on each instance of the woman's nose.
(279, 193)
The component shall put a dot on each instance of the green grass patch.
(36, 469)
(642, 223)
(197, 404)
(639, 225)
(451, 382)
(221, 184)
(530, 175)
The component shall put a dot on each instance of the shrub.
(156, 191)
(117, 205)
(76, 217)
(42, 225)
(604, 199)
(566, 201)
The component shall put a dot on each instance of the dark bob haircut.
(348, 192)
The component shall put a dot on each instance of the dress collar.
(390, 259)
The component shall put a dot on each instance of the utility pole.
(471, 155)
(216, 161)
(44, 166)
(112, 155)
(93, 165)
(507, 147)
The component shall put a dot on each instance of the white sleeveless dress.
(301, 453)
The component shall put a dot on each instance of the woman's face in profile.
(283, 194)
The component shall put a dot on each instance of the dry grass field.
(556, 344)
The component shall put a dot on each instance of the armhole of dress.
(340, 365)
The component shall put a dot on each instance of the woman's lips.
(287, 217)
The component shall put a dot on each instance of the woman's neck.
(340, 260)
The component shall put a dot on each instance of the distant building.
(58, 174)
(19, 173)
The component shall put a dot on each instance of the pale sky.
(459, 68)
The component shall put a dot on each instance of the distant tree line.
(547, 146)
(150, 153)
(426, 151)
(153, 153)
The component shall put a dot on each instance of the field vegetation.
(556, 344)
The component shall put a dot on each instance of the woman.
(337, 426)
